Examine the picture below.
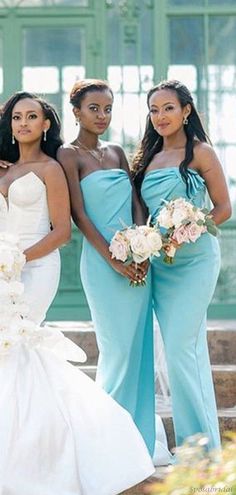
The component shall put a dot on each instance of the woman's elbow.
(64, 235)
(228, 211)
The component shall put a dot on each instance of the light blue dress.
(181, 295)
(122, 315)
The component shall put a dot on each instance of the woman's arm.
(209, 167)
(59, 213)
(68, 159)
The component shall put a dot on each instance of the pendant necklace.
(97, 153)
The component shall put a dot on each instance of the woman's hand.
(5, 164)
(134, 272)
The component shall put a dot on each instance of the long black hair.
(9, 151)
(152, 142)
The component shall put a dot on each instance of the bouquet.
(136, 244)
(12, 259)
(183, 222)
(16, 329)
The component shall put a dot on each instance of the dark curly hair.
(9, 151)
(84, 86)
(152, 142)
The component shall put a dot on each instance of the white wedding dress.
(60, 434)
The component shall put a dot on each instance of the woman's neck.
(175, 142)
(89, 140)
(28, 153)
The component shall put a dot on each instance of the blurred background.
(45, 45)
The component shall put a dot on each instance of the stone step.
(226, 416)
(224, 378)
(222, 342)
(221, 339)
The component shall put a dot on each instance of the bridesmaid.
(101, 197)
(175, 160)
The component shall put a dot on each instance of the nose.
(161, 114)
(23, 122)
(101, 114)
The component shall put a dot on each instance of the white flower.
(119, 247)
(178, 216)
(129, 233)
(140, 248)
(144, 229)
(155, 243)
(164, 218)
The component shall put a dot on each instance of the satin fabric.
(181, 295)
(59, 432)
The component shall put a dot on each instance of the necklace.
(97, 153)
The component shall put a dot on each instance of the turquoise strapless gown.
(181, 295)
(122, 315)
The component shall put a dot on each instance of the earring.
(13, 139)
(185, 121)
(45, 135)
(77, 121)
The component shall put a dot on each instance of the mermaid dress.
(181, 295)
(122, 315)
(59, 432)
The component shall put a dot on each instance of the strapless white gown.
(60, 434)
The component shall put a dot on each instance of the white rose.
(129, 233)
(144, 229)
(164, 218)
(119, 249)
(140, 248)
(6, 260)
(155, 243)
(178, 216)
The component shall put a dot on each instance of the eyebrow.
(167, 103)
(98, 105)
(20, 113)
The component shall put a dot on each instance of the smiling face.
(94, 115)
(28, 121)
(166, 113)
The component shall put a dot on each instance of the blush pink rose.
(194, 231)
(181, 235)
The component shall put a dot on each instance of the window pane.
(186, 2)
(53, 64)
(187, 59)
(222, 94)
(130, 70)
(219, 2)
(43, 3)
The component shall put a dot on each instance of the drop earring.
(185, 121)
(45, 135)
(13, 139)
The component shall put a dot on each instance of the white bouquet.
(137, 243)
(183, 222)
(12, 259)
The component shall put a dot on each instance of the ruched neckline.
(104, 170)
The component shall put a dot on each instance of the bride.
(59, 432)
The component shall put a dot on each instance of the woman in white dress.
(60, 434)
